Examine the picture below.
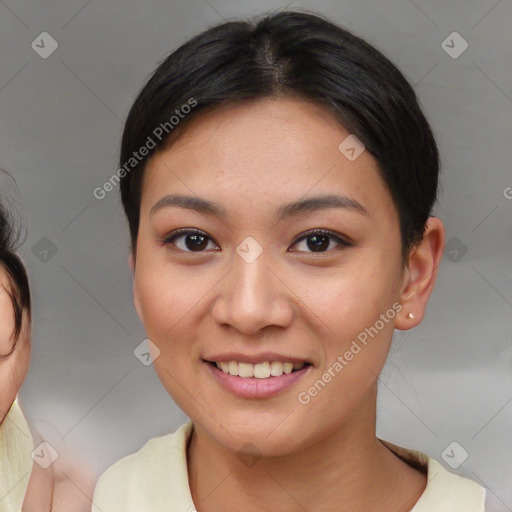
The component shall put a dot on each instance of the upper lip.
(255, 358)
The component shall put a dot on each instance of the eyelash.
(323, 232)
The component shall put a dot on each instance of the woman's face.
(14, 357)
(254, 287)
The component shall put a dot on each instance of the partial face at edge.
(14, 363)
(291, 300)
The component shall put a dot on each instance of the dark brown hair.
(297, 54)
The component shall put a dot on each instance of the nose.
(253, 296)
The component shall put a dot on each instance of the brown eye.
(320, 241)
(193, 240)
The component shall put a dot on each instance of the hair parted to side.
(10, 239)
(301, 55)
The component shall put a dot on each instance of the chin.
(268, 436)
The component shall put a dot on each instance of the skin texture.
(307, 305)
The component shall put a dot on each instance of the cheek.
(356, 310)
(12, 374)
(158, 306)
(348, 302)
(6, 323)
(167, 301)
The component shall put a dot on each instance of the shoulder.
(445, 491)
(451, 491)
(111, 488)
(157, 470)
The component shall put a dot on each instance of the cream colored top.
(155, 479)
(16, 446)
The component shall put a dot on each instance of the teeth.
(276, 368)
(260, 370)
(245, 369)
(287, 367)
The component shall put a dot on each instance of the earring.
(410, 315)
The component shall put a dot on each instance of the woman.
(278, 179)
(21, 480)
(29, 480)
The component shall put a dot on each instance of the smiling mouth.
(264, 370)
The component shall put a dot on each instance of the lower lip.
(252, 387)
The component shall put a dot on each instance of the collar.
(445, 491)
(15, 458)
(156, 476)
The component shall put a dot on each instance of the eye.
(197, 241)
(194, 240)
(318, 241)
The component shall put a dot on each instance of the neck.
(348, 469)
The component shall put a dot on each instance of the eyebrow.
(301, 206)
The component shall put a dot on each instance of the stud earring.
(410, 315)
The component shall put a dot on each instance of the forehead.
(266, 149)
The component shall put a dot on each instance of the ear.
(420, 275)
(136, 299)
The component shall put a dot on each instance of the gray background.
(449, 379)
